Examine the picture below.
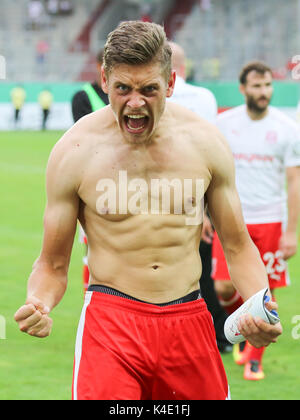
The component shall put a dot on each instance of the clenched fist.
(33, 318)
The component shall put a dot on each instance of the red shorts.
(129, 350)
(266, 238)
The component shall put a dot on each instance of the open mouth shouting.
(136, 123)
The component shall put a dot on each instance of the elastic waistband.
(195, 295)
(119, 300)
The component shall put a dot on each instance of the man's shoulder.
(282, 118)
(195, 92)
(186, 119)
(201, 132)
(174, 109)
(85, 132)
(233, 113)
(202, 91)
(205, 98)
(97, 120)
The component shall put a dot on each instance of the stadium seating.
(63, 58)
(18, 42)
(266, 31)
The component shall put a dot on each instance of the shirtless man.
(136, 339)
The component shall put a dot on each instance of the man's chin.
(134, 138)
(259, 109)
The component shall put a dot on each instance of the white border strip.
(78, 345)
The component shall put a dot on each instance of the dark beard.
(253, 105)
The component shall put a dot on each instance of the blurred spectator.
(45, 100)
(195, 98)
(35, 13)
(211, 68)
(18, 96)
(65, 7)
(52, 7)
(205, 5)
(146, 13)
(91, 97)
(189, 70)
(42, 49)
(59, 7)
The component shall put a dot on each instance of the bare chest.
(120, 185)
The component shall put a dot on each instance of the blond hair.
(136, 42)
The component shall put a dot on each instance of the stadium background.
(55, 48)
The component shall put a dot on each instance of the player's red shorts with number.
(266, 238)
(130, 350)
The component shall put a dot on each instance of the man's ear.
(104, 81)
(242, 89)
(171, 84)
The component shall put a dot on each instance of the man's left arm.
(289, 240)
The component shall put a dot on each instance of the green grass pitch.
(34, 369)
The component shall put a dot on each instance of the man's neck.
(256, 116)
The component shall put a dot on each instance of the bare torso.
(148, 255)
(106, 172)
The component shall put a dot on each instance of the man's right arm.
(48, 280)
